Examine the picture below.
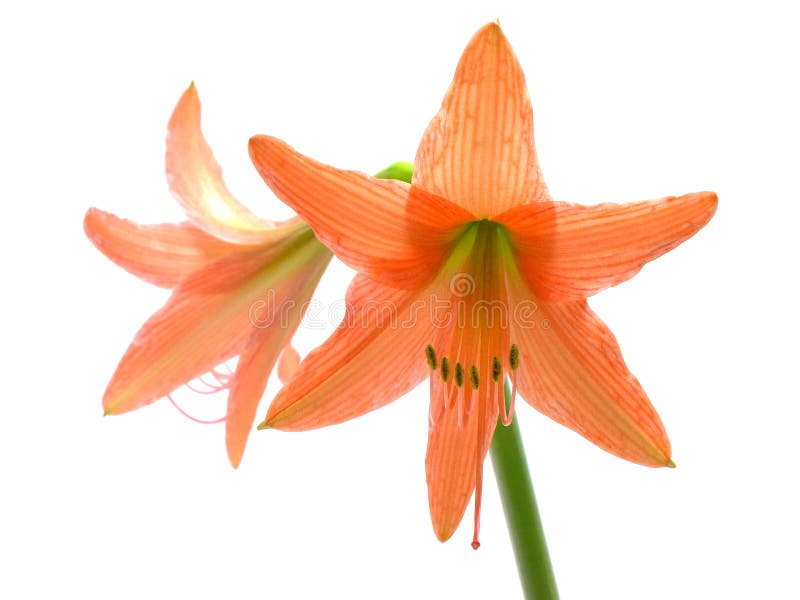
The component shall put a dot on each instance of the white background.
(633, 100)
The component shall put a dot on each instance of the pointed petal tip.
(91, 221)
(109, 408)
(707, 201)
(492, 32)
(712, 200)
(264, 425)
(235, 459)
(671, 464)
(443, 535)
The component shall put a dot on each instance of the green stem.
(522, 514)
(399, 170)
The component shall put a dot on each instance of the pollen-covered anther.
(458, 375)
(507, 412)
(430, 356)
(445, 369)
(474, 378)
(513, 357)
(497, 369)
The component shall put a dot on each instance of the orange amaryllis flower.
(471, 274)
(240, 286)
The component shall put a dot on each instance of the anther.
(497, 369)
(445, 369)
(458, 376)
(473, 377)
(430, 354)
(513, 357)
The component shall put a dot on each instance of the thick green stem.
(522, 514)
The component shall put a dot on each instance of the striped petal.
(478, 151)
(393, 232)
(571, 369)
(573, 251)
(258, 359)
(160, 254)
(456, 452)
(210, 318)
(195, 179)
(374, 357)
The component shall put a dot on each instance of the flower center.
(472, 352)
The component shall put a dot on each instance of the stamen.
(204, 382)
(431, 419)
(461, 402)
(513, 398)
(513, 357)
(222, 379)
(459, 375)
(190, 417)
(497, 369)
(474, 380)
(430, 355)
(445, 369)
(507, 411)
(212, 389)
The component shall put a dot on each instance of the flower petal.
(573, 251)
(287, 364)
(374, 357)
(270, 340)
(571, 369)
(386, 229)
(478, 151)
(191, 334)
(252, 372)
(160, 254)
(195, 179)
(209, 318)
(451, 461)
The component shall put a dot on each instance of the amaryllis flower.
(240, 286)
(471, 274)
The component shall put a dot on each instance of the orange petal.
(287, 364)
(195, 179)
(161, 254)
(386, 229)
(209, 318)
(573, 251)
(190, 335)
(374, 357)
(258, 359)
(252, 372)
(452, 457)
(571, 369)
(478, 151)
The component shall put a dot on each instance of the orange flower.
(471, 274)
(240, 285)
